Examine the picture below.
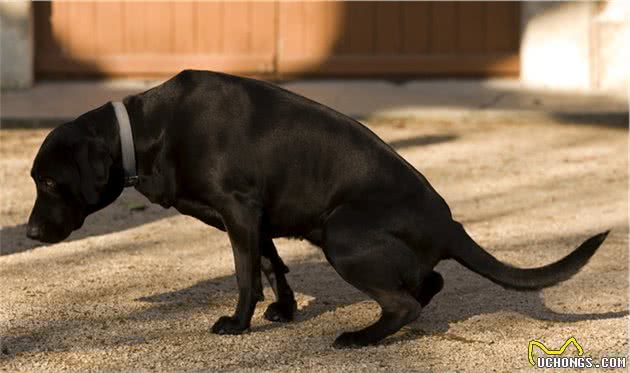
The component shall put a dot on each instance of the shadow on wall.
(48, 42)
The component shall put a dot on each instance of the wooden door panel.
(277, 38)
(184, 28)
(111, 39)
(472, 27)
(444, 28)
(424, 38)
(153, 38)
(500, 36)
(415, 21)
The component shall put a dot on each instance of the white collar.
(126, 144)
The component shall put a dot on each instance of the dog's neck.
(148, 123)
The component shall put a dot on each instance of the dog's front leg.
(243, 227)
(274, 269)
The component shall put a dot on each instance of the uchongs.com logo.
(555, 359)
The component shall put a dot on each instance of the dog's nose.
(33, 232)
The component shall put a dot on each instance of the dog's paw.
(228, 325)
(350, 340)
(281, 312)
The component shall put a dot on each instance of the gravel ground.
(138, 286)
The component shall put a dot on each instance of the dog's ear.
(94, 163)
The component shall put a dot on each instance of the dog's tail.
(468, 253)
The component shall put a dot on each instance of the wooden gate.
(153, 38)
(362, 38)
(277, 38)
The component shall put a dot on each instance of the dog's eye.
(48, 183)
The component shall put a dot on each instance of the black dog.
(260, 162)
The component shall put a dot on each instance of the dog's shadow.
(129, 211)
(465, 295)
(320, 291)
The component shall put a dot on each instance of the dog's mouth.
(48, 234)
(47, 237)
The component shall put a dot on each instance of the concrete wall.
(611, 46)
(555, 44)
(16, 44)
(575, 45)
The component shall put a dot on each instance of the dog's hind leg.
(378, 264)
(274, 269)
(429, 287)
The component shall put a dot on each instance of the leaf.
(136, 206)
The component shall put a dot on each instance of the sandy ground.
(138, 286)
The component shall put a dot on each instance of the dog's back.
(304, 158)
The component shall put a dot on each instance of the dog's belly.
(294, 214)
(294, 229)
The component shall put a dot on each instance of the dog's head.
(74, 177)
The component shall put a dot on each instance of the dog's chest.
(157, 190)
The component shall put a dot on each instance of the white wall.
(579, 45)
(16, 44)
(611, 46)
(555, 44)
